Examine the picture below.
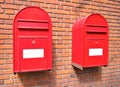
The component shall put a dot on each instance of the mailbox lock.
(33, 42)
(96, 42)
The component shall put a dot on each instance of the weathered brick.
(52, 2)
(11, 12)
(27, 3)
(9, 71)
(4, 16)
(4, 77)
(4, 36)
(9, 6)
(6, 27)
(5, 47)
(2, 42)
(59, 46)
(7, 66)
(9, 61)
(1, 61)
(1, 82)
(10, 1)
(2, 21)
(1, 32)
(1, 1)
(1, 10)
(8, 82)
(37, 1)
(8, 41)
(8, 51)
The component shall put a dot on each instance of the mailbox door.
(96, 52)
(34, 53)
(96, 45)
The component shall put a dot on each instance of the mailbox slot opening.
(96, 29)
(35, 24)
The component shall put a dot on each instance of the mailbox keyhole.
(96, 42)
(33, 42)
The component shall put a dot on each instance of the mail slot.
(32, 40)
(90, 42)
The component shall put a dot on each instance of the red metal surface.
(32, 29)
(90, 33)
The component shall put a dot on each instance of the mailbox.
(32, 40)
(90, 42)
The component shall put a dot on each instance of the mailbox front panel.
(96, 52)
(34, 53)
(32, 40)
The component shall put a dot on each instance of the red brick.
(7, 66)
(11, 12)
(4, 56)
(1, 82)
(59, 46)
(1, 72)
(10, 6)
(9, 71)
(8, 32)
(4, 36)
(8, 51)
(27, 3)
(52, 6)
(14, 76)
(20, 2)
(1, 21)
(9, 22)
(1, 32)
(12, 17)
(1, 62)
(37, 1)
(5, 47)
(8, 41)
(4, 77)
(52, 2)
(1, 10)
(8, 61)
(36, 4)
(8, 82)
(9, 1)
(1, 1)
(6, 26)
(3, 16)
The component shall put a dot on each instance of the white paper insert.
(33, 53)
(95, 52)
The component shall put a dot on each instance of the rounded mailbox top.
(32, 13)
(32, 18)
(96, 19)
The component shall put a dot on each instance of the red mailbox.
(90, 42)
(32, 40)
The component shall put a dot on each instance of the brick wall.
(63, 14)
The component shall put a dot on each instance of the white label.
(95, 52)
(33, 53)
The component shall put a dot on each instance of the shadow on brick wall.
(88, 75)
(35, 79)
